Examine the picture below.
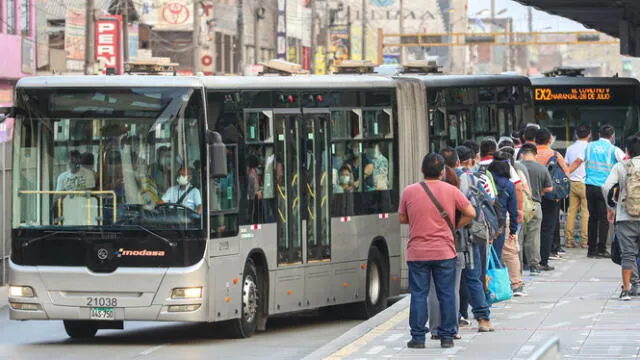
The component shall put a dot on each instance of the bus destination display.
(574, 94)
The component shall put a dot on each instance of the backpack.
(528, 206)
(486, 224)
(561, 185)
(631, 199)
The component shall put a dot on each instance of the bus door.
(316, 180)
(459, 122)
(287, 123)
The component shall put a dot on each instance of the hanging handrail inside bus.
(86, 193)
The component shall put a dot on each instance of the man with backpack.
(627, 211)
(539, 183)
(473, 190)
(555, 164)
(599, 158)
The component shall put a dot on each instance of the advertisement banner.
(173, 15)
(340, 44)
(206, 32)
(320, 65)
(74, 34)
(109, 43)
(134, 38)
(281, 30)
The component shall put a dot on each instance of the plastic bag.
(497, 282)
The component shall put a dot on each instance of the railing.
(85, 193)
(548, 351)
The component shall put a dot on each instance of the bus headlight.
(21, 291)
(186, 293)
(25, 306)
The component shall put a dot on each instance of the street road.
(288, 337)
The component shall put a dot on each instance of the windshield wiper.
(167, 241)
(44, 237)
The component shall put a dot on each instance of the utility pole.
(196, 36)
(312, 54)
(530, 21)
(89, 41)
(125, 31)
(401, 29)
(363, 44)
(256, 36)
(240, 37)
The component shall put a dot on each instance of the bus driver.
(184, 193)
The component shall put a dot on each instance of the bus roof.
(109, 81)
(579, 80)
(298, 82)
(469, 80)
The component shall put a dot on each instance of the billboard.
(108, 43)
(340, 44)
(173, 15)
(206, 32)
(74, 34)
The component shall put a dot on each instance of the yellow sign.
(576, 94)
(320, 65)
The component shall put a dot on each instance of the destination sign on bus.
(575, 94)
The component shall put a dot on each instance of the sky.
(518, 12)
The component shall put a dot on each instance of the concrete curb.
(360, 330)
(4, 297)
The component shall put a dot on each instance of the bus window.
(258, 170)
(345, 124)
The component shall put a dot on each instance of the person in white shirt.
(578, 195)
(184, 193)
(77, 177)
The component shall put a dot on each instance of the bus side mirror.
(217, 155)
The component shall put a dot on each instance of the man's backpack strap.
(443, 213)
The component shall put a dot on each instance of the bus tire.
(377, 287)
(80, 329)
(246, 325)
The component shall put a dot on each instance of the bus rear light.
(183, 308)
(25, 306)
(21, 291)
(187, 293)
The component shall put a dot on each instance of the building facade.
(17, 39)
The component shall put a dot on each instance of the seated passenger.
(76, 177)
(345, 181)
(184, 193)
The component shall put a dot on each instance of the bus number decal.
(102, 301)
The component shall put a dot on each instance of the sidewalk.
(578, 303)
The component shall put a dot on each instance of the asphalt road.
(288, 337)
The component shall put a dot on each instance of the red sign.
(306, 58)
(109, 43)
(175, 13)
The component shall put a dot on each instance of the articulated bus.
(298, 179)
(565, 100)
(103, 234)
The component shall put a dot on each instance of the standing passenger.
(431, 248)
(578, 196)
(599, 156)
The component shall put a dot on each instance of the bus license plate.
(103, 314)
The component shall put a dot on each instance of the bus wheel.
(376, 286)
(80, 329)
(246, 325)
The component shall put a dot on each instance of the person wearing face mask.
(345, 180)
(76, 177)
(380, 168)
(184, 193)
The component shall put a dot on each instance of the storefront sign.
(109, 43)
(74, 37)
(281, 32)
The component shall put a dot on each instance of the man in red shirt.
(431, 249)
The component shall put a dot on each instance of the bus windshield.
(108, 157)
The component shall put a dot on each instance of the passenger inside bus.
(76, 177)
(345, 180)
(184, 193)
(161, 170)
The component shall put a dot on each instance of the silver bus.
(221, 199)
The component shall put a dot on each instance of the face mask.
(345, 179)
(183, 180)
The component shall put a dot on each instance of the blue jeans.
(498, 243)
(474, 287)
(444, 277)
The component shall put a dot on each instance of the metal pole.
(401, 28)
(3, 228)
(240, 37)
(380, 46)
(196, 36)
(125, 31)
(363, 44)
(256, 37)
(89, 51)
(526, 48)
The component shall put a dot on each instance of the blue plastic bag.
(497, 282)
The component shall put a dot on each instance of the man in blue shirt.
(599, 158)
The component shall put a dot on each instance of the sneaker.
(624, 295)
(446, 343)
(592, 256)
(604, 255)
(547, 268)
(555, 256)
(437, 337)
(412, 344)
(561, 251)
(464, 322)
(535, 270)
(519, 291)
(484, 325)
(635, 290)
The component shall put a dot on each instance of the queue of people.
(527, 182)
